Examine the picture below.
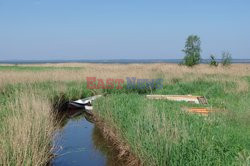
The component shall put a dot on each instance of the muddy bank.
(123, 151)
(84, 139)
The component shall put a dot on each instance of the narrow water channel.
(79, 143)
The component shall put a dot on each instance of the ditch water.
(79, 142)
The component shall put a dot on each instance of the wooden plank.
(187, 98)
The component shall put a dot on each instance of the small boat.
(85, 103)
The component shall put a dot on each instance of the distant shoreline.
(113, 61)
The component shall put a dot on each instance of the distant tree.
(226, 58)
(213, 62)
(192, 50)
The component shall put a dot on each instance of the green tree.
(192, 50)
(226, 58)
(213, 62)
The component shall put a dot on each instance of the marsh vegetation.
(156, 132)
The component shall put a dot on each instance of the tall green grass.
(161, 133)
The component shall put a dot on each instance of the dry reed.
(27, 132)
(166, 71)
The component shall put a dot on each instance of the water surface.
(79, 142)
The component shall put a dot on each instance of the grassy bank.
(26, 131)
(27, 120)
(157, 132)
(161, 133)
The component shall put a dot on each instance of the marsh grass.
(27, 131)
(166, 71)
(158, 132)
(27, 122)
(161, 133)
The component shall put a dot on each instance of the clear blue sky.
(121, 29)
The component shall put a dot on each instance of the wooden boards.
(187, 98)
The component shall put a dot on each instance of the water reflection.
(79, 142)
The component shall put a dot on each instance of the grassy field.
(157, 132)
(34, 68)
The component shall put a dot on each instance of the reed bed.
(26, 131)
(166, 71)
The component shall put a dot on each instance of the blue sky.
(121, 29)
